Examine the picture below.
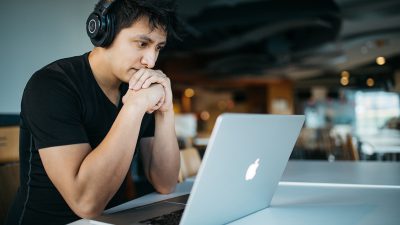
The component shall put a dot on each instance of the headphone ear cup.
(93, 26)
(100, 26)
(110, 30)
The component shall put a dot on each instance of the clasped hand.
(148, 79)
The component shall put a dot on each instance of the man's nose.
(149, 59)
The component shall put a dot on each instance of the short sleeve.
(51, 109)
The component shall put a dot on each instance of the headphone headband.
(105, 6)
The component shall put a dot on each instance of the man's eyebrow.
(145, 38)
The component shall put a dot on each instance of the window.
(374, 109)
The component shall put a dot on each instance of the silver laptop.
(241, 168)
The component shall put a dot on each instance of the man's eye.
(159, 48)
(142, 44)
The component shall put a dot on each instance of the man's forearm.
(104, 169)
(165, 163)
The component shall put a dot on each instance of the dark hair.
(161, 14)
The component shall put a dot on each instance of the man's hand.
(151, 98)
(143, 79)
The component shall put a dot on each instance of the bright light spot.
(204, 115)
(189, 92)
(345, 74)
(344, 81)
(380, 60)
(370, 82)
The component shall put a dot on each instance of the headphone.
(100, 25)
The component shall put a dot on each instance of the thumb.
(124, 99)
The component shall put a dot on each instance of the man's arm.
(161, 154)
(87, 179)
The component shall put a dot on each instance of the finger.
(162, 101)
(140, 82)
(161, 73)
(167, 101)
(135, 78)
(168, 91)
(152, 80)
(124, 99)
(157, 106)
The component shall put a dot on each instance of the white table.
(315, 205)
(343, 172)
(319, 192)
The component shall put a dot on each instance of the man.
(84, 118)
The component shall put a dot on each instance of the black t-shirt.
(62, 104)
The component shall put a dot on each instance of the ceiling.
(308, 41)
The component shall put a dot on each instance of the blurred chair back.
(190, 163)
(9, 162)
(9, 182)
(347, 149)
(9, 144)
(350, 147)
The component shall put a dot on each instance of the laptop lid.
(242, 166)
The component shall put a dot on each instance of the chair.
(352, 147)
(9, 165)
(190, 163)
(349, 148)
(9, 182)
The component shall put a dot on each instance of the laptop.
(240, 171)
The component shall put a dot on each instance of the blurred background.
(336, 62)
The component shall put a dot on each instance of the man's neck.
(103, 75)
(102, 72)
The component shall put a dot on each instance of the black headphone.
(100, 25)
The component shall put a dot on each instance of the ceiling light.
(344, 81)
(345, 74)
(204, 115)
(189, 92)
(370, 82)
(380, 60)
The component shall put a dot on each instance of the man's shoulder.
(65, 69)
(67, 65)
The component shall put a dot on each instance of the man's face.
(134, 48)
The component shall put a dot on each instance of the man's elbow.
(88, 211)
(166, 189)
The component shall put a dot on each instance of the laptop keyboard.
(171, 218)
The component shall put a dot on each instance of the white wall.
(33, 34)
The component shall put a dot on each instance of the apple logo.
(252, 170)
